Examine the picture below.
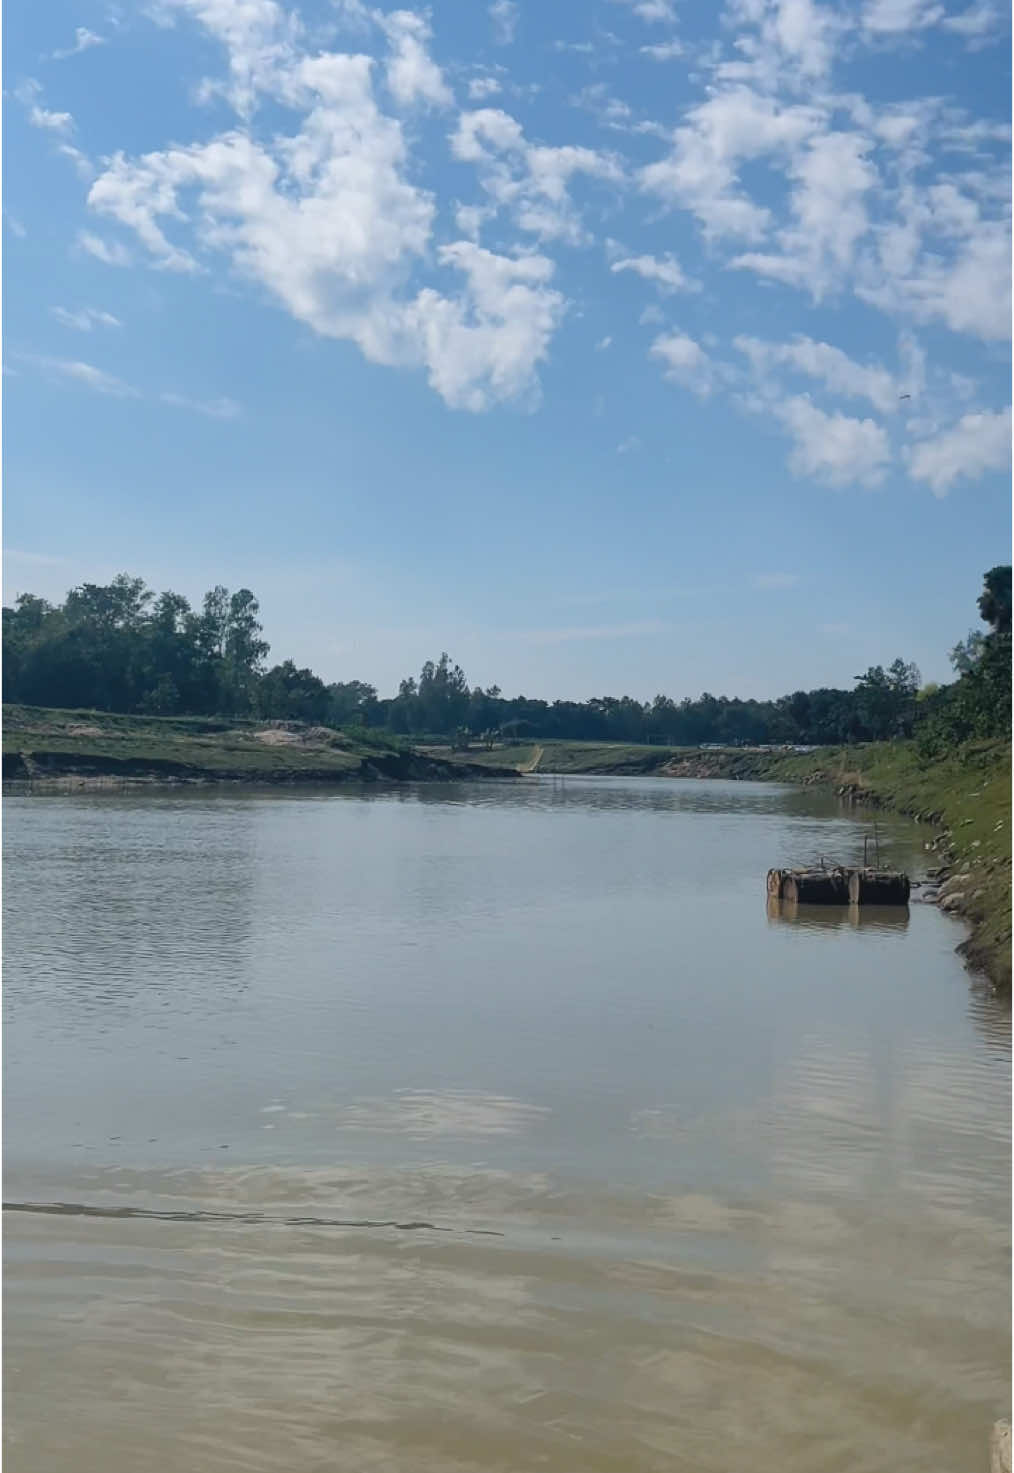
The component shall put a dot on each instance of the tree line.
(122, 647)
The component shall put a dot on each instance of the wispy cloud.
(655, 12)
(505, 15)
(60, 125)
(84, 39)
(90, 376)
(665, 272)
(102, 382)
(835, 448)
(630, 444)
(977, 443)
(34, 559)
(213, 408)
(109, 252)
(85, 318)
(664, 50)
(686, 362)
(29, 93)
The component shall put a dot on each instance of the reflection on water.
(424, 1113)
(494, 1127)
(870, 917)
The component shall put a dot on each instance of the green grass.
(59, 742)
(574, 758)
(966, 796)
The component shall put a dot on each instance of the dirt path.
(532, 765)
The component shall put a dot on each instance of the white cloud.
(223, 408)
(833, 447)
(655, 12)
(945, 259)
(479, 88)
(603, 344)
(42, 117)
(630, 444)
(833, 177)
(328, 205)
(665, 271)
(979, 24)
(505, 15)
(28, 94)
(15, 226)
(85, 318)
(484, 346)
(83, 40)
(664, 50)
(328, 222)
(686, 362)
(897, 17)
(532, 180)
(735, 125)
(412, 74)
(805, 32)
(484, 131)
(782, 40)
(978, 443)
(261, 40)
(840, 373)
(111, 253)
(89, 375)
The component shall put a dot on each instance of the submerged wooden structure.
(839, 886)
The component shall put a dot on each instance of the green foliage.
(967, 653)
(886, 699)
(995, 599)
(119, 647)
(978, 705)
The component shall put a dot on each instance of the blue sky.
(615, 347)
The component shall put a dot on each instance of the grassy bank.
(574, 759)
(88, 747)
(966, 796)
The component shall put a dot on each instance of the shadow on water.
(825, 917)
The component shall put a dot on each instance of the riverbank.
(965, 797)
(89, 749)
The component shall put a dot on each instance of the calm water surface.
(491, 1127)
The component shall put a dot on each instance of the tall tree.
(995, 599)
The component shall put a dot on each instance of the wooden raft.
(839, 886)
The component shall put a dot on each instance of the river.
(491, 1127)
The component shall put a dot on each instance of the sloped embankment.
(98, 749)
(964, 797)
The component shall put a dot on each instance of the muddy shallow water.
(491, 1127)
